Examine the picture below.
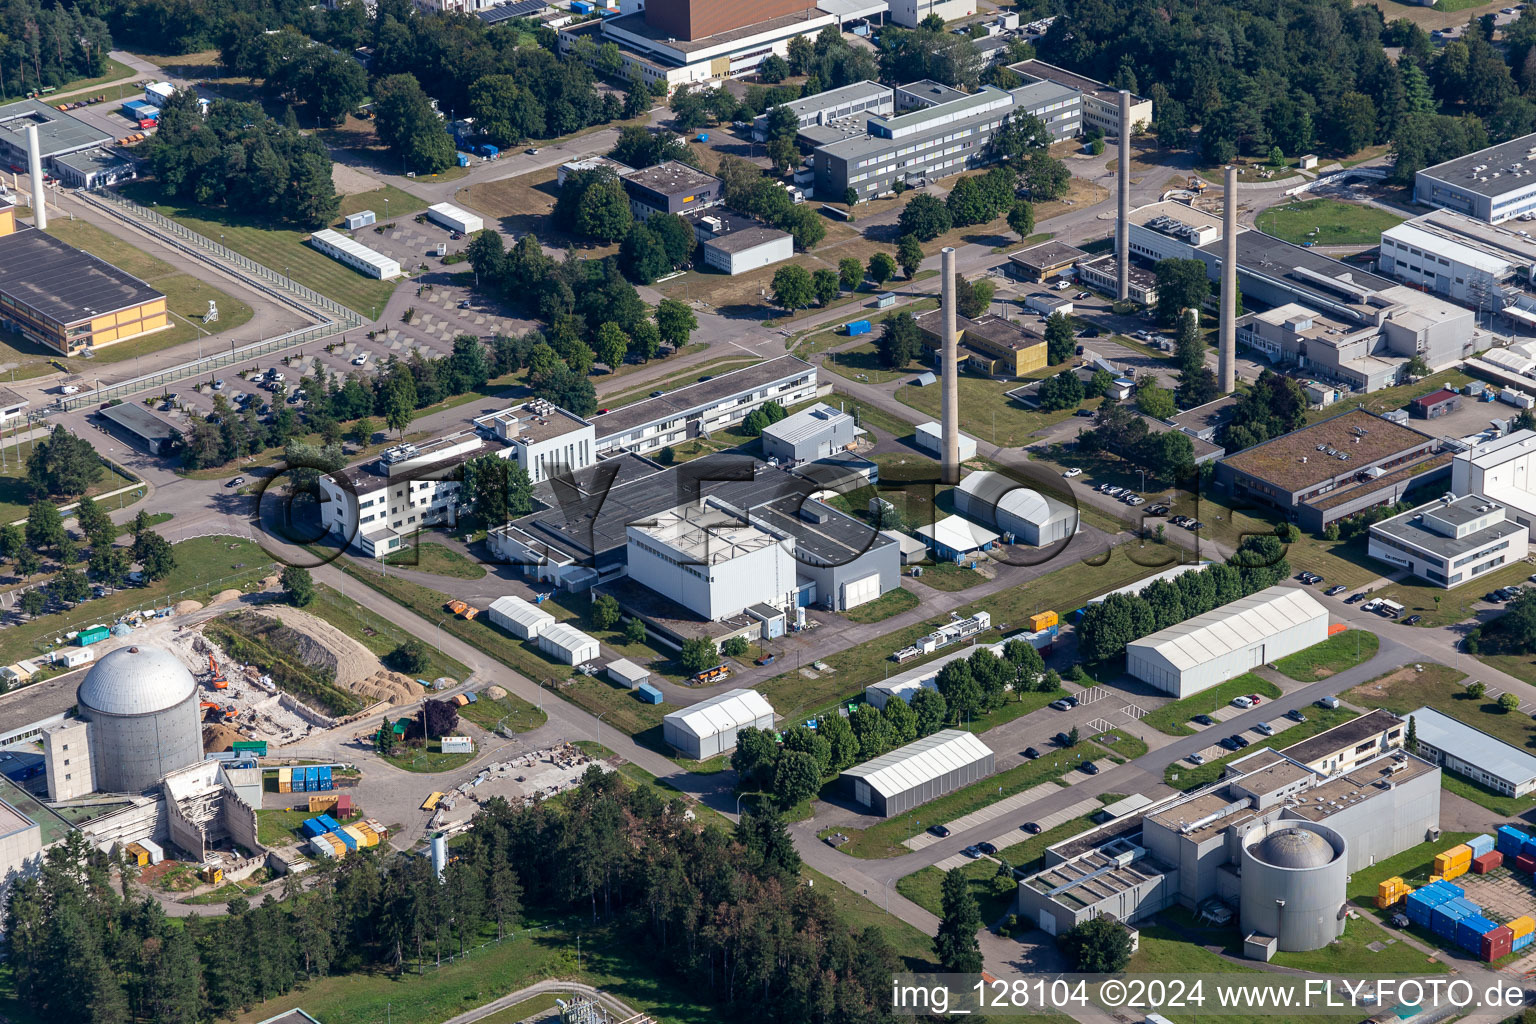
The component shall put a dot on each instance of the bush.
(411, 657)
(735, 647)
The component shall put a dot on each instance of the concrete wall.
(130, 754)
(1299, 906)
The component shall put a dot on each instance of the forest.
(722, 914)
(47, 45)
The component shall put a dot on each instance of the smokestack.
(1123, 225)
(949, 419)
(35, 159)
(1228, 350)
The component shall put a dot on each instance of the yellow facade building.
(989, 344)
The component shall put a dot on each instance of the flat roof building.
(825, 108)
(1225, 642)
(1503, 470)
(709, 727)
(1044, 261)
(1345, 747)
(1471, 753)
(920, 771)
(70, 301)
(1102, 273)
(953, 538)
(811, 433)
(736, 245)
(712, 561)
(1451, 541)
(1101, 103)
(543, 438)
(671, 187)
(930, 438)
(95, 168)
(366, 261)
(57, 132)
(989, 344)
(1492, 185)
(1335, 468)
(1465, 259)
(1171, 230)
(158, 436)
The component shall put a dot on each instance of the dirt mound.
(187, 607)
(225, 595)
(444, 683)
(349, 660)
(270, 582)
(496, 692)
(390, 686)
(217, 737)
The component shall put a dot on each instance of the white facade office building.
(1451, 541)
(1481, 265)
(835, 104)
(1504, 471)
(812, 433)
(1492, 185)
(1472, 753)
(1225, 642)
(543, 438)
(712, 561)
(710, 726)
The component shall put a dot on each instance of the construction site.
(536, 775)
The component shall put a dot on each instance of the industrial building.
(1504, 471)
(735, 245)
(956, 538)
(1335, 468)
(141, 706)
(455, 219)
(1102, 273)
(1435, 404)
(1171, 230)
(1100, 102)
(923, 770)
(1041, 263)
(158, 436)
(930, 438)
(1225, 642)
(627, 673)
(671, 187)
(936, 132)
(542, 438)
(811, 433)
(1471, 753)
(376, 506)
(1492, 185)
(366, 261)
(709, 727)
(1015, 510)
(842, 103)
(95, 168)
(698, 409)
(58, 133)
(1346, 747)
(1450, 541)
(522, 619)
(910, 13)
(1464, 259)
(716, 563)
(989, 344)
(1270, 830)
(567, 644)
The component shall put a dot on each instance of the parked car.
(361, 359)
(1242, 702)
(1135, 499)
(1413, 620)
(938, 830)
(1030, 827)
(1031, 753)
(1195, 758)
(986, 848)
(1227, 742)
(1071, 701)
(1063, 740)
(1081, 295)
(218, 385)
(1088, 768)
(1240, 741)
(766, 659)
(1205, 720)
(971, 851)
(657, 394)
(1074, 471)
(1335, 590)
(1257, 700)
(236, 482)
(1265, 729)
(1355, 599)
(1158, 510)
(1082, 412)
(1295, 715)
(1327, 702)
(1492, 597)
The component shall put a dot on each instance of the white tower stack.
(1123, 223)
(949, 419)
(35, 159)
(1227, 356)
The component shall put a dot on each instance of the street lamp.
(600, 727)
(440, 643)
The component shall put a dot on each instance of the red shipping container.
(344, 805)
(1497, 943)
(1487, 862)
(1525, 862)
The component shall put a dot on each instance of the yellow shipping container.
(461, 700)
(1044, 620)
(1436, 878)
(323, 802)
(285, 780)
(1522, 926)
(137, 854)
(1455, 871)
(336, 844)
(378, 827)
(356, 834)
(1460, 853)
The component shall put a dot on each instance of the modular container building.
(74, 657)
(298, 777)
(360, 220)
(649, 693)
(359, 838)
(858, 327)
(710, 726)
(344, 805)
(885, 300)
(454, 219)
(347, 840)
(313, 827)
(256, 748)
(156, 854)
(92, 635)
(920, 771)
(1446, 916)
(1470, 931)
(327, 845)
(312, 779)
(1524, 931)
(1495, 943)
(330, 823)
(137, 854)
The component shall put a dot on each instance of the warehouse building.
(69, 301)
(840, 104)
(58, 133)
(1346, 747)
(956, 538)
(989, 344)
(930, 438)
(1450, 541)
(736, 245)
(923, 770)
(1435, 404)
(811, 433)
(366, 261)
(1015, 510)
(542, 438)
(712, 561)
(699, 409)
(1504, 471)
(95, 168)
(1225, 642)
(709, 727)
(156, 435)
(567, 644)
(1473, 262)
(522, 619)
(455, 219)
(1100, 102)
(1473, 754)
(1171, 230)
(671, 187)
(1492, 185)
(1335, 468)
(626, 673)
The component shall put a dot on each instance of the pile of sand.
(331, 648)
(496, 692)
(218, 736)
(187, 607)
(270, 582)
(390, 686)
(225, 595)
(444, 683)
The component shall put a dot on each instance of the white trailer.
(455, 219)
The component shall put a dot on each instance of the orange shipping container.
(1043, 620)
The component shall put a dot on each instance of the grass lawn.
(438, 560)
(1339, 652)
(883, 607)
(377, 634)
(884, 839)
(995, 894)
(1064, 590)
(1120, 743)
(986, 413)
(1350, 948)
(862, 363)
(1327, 222)
(1389, 399)
(429, 759)
(952, 576)
(1441, 607)
(277, 828)
(510, 712)
(204, 566)
(114, 71)
(1508, 806)
(1412, 866)
(826, 339)
(279, 248)
(1439, 687)
(1172, 718)
(519, 1012)
(1185, 776)
(871, 416)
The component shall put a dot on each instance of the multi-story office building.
(543, 438)
(1101, 103)
(839, 104)
(1505, 471)
(671, 187)
(1492, 185)
(1450, 541)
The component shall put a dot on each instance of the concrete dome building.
(1293, 879)
(141, 706)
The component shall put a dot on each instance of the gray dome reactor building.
(141, 703)
(1293, 881)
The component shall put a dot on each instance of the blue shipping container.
(330, 823)
(649, 693)
(325, 778)
(1510, 841)
(1524, 940)
(312, 779)
(581, 7)
(351, 843)
(463, 159)
(313, 827)
(1469, 931)
(1529, 846)
(1445, 918)
(1481, 844)
(857, 327)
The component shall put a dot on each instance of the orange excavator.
(216, 678)
(215, 713)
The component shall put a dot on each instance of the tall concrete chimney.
(949, 419)
(35, 159)
(1123, 224)
(1228, 350)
